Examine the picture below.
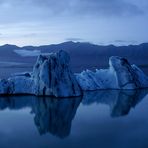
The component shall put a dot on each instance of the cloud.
(107, 8)
(74, 39)
(43, 21)
(30, 10)
(28, 53)
(125, 42)
(89, 7)
(29, 35)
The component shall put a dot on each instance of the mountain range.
(83, 55)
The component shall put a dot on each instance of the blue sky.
(38, 22)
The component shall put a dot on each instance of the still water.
(105, 119)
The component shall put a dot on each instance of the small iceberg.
(119, 75)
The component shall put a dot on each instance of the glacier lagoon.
(108, 118)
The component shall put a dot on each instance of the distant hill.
(83, 55)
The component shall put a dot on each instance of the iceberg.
(52, 76)
(20, 85)
(119, 75)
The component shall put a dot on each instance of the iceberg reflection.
(53, 115)
(119, 101)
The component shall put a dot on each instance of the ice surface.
(21, 85)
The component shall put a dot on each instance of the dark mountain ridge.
(83, 55)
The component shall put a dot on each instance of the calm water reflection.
(98, 119)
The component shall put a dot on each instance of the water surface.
(97, 119)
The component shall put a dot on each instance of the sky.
(40, 22)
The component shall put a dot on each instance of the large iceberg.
(52, 76)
